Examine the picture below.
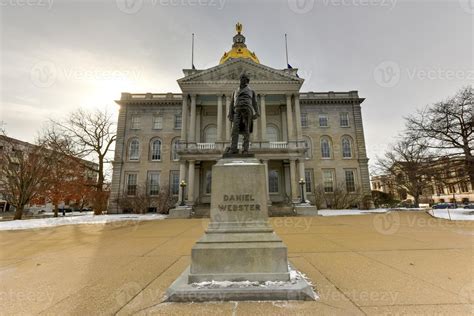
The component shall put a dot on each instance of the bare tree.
(448, 127)
(87, 134)
(409, 163)
(339, 198)
(141, 202)
(24, 169)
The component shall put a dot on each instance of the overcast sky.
(59, 55)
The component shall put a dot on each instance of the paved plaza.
(396, 263)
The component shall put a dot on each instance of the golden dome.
(239, 49)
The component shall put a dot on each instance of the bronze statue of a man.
(243, 110)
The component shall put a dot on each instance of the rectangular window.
(174, 182)
(132, 184)
(273, 181)
(304, 120)
(308, 178)
(439, 189)
(463, 187)
(452, 188)
(135, 122)
(177, 121)
(328, 180)
(344, 119)
(157, 122)
(350, 181)
(323, 121)
(153, 183)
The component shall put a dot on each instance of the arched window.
(326, 151)
(272, 133)
(134, 150)
(210, 134)
(346, 147)
(155, 150)
(308, 147)
(174, 149)
(273, 181)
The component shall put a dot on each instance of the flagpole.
(286, 49)
(192, 52)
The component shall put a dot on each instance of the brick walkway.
(397, 263)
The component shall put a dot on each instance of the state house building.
(164, 138)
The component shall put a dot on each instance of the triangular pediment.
(231, 71)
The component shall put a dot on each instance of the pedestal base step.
(298, 288)
(306, 210)
(180, 212)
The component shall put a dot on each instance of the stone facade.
(305, 135)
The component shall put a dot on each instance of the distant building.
(12, 145)
(450, 183)
(165, 138)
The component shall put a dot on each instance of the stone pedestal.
(239, 244)
(306, 209)
(180, 212)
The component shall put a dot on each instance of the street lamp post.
(302, 183)
(183, 186)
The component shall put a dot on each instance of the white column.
(182, 176)
(184, 116)
(283, 124)
(191, 182)
(219, 118)
(294, 189)
(265, 162)
(255, 130)
(227, 122)
(289, 117)
(263, 115)
(298, 117)
(198, 124)
(192, 123)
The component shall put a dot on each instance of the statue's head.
(244, 79)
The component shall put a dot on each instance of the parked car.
(443, 206)
(469, 207)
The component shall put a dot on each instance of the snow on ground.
(456, 214)
(350, 212)
(74, 220)
(295, 276)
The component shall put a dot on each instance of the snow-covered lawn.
(351, 212)
(456, 214)
(74, 220)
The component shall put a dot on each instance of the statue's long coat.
(254, 106)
